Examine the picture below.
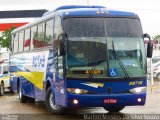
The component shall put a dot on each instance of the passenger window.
(27, 40)
(15, 47)
(49, 33)
(33, 37)
(21, 41)
(38, 41)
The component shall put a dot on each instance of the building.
(17, 18)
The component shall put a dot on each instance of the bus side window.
(33, 37)
(38, 41)
(49, 33)
(15, 43)
(21, 41)
(27, 40)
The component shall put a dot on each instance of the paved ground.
(10, 107)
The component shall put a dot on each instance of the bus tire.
(114, 109)
(22, 98)
(1, 90)
(31, 100)
(51, 107)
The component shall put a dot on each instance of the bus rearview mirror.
(62, 44)
(149, 49)
(149, 45)
(146, 35)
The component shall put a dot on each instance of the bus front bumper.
(94, 100)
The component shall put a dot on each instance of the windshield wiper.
(95, 63)
(116, 57)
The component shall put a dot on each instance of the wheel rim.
(20, 93)
(2, 90)
(51, 102)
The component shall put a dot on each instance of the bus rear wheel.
(114, 109)
(22, 98)
(1, 90)
(52, 108)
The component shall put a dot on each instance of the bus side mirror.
(62, 44)
(149, 49)
(146, 35)
(149, 45)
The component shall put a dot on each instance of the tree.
(156, 37)
(5, 38)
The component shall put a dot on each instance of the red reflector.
(110, 101)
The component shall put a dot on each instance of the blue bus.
(81, 56)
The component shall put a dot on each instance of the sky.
(148, 10)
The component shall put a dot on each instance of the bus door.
(58, 84)
(59, 81)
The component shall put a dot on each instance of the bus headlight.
(138, 90)
(77, 91)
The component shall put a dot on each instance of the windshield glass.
(90, 45)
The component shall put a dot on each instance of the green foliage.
(156, 37)
(5, 38)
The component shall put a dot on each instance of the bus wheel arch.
(51, 107)
(2, 88)
(114, 109)
(47, 85)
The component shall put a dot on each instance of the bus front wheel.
(114, 109)
(52, 108)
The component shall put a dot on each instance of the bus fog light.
(139, 100)
(138, 90)
(75, 101)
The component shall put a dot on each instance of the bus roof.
(80, 11)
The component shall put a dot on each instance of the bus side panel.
(27, 87)
(39, 94)
(13, 80)
(32, 69)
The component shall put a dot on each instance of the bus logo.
(38, 61)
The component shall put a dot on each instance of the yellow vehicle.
(4, 83)
(4, 73)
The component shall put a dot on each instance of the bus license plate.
(110, 101)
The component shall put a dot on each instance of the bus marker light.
(75, 101)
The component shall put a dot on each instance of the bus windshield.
(90, 47)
